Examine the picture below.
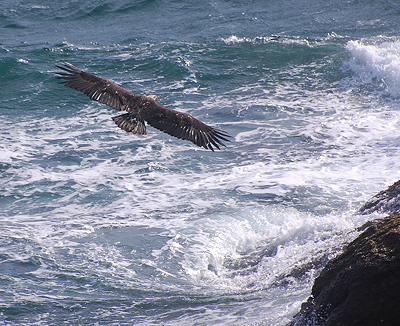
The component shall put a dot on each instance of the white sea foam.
(377, 60)
(234, 39)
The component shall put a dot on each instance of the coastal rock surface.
(361, 286)
(386, 201)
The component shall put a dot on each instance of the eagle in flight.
(141, 108)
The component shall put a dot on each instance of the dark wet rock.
(361, 286)
(386, 201)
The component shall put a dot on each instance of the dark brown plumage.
(141, 108)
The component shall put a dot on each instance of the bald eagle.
(141, 108)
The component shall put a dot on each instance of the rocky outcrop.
(361, 286)
(386, 201)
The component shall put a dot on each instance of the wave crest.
(377, 61)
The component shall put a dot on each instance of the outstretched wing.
(184, 126)
(98, 89)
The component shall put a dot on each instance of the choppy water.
(103, 227)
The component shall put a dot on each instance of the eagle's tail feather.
(130, 123)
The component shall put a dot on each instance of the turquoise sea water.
(102, 227)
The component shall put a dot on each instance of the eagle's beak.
(154, 97)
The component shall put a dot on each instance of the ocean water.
(102, 227)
